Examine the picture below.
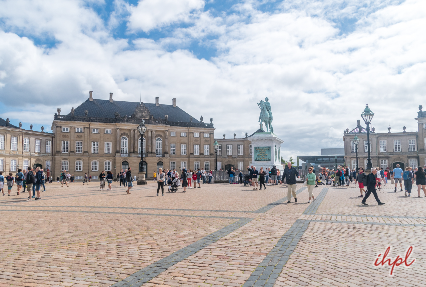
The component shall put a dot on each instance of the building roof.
(3, 123)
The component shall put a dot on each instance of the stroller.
(247, 179)
(174, 185)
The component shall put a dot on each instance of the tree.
(284, 162)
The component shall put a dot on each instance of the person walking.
(194, 178)
(19, 177)
(199, 175)
(408, 181)
(371, 187)
(129, 180)
(1, 182)
(290, 174)
(361, 179)
(262, 175)
(161, 177)
(109, 178)
(397, 176)
(310, 181)
(420, 180)
(378, 179)
(30, 178)
(102, 176)
(10, 180)
(184, 180)
(39, 182)
(274, 175)
(254, 175)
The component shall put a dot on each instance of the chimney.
(174, 102)
(166, 118)
(90, 96)
(31, 127)
(110, 97)
(157, 101)
(235, 136)
(7, 122)
(59, 111)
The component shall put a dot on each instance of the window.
(95, 147)
(78, 165)
(14, 143)
(172, 134)
(13, 165)
(196, 149)
(64, 146)
(78, 130)
(1, 164)
(206, 149)
(172, 165)
(108, 131)
(95, 165)
(353, 146)
(37, 145)
(158, 147)
(240, 149)
(1, 141)
(397, 145)
(183, 135)
(384, 163)
(219, 165)
(383, 146)
(48, 164)
(206, 165)
(366, 147)
(107, 147)
(196, 165)
(219, 150)
(26, 144)
(206, 135)
(65, 130)
(353, 161)
(124, 146)
(25, 164)
(241, 165)
(251, 150)
(183, 149)
(172, 148)
(228, 149)
(365, 163)
(107, 165)
(411, 145)
(183, 165)
(139, 146)
(196, 135)
(95, 131)
(78, 147)
(64, 165)
(413, 163)
(48, 146)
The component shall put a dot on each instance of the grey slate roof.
(3, 124)
(106, 109)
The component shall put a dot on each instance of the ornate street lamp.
(216, 148)
(142, 130)
(367, 116)
(356, 142)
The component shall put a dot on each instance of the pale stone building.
(21, 148)
(236, 153)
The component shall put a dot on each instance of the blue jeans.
(34, 186)
(231, 179)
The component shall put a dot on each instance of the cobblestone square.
(219, 234)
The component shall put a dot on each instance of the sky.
(318, 62)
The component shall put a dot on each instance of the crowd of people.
(30, 180)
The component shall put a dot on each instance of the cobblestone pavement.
(220, 234)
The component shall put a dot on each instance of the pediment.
(141, 112)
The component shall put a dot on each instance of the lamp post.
(367, 116)
(141, 130)
(216, 147)
(356, 142)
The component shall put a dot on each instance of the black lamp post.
(356, 142)
(216, 147)
(367, 116)
(141, 130)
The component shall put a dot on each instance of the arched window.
(107, 165)
(124, 145)
(95, 165)
(139, 146)
(159, 147)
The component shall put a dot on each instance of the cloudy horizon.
(318, 62)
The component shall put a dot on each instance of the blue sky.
(319, 62)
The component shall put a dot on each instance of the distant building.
(236, 153)
(330, 158)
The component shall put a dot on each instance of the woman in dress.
(420, 180)
(184, 180)
(160, 181)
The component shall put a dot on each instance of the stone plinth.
(141, 178)
(266, 150)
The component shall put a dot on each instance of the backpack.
(18, 176)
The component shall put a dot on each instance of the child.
(9, 180)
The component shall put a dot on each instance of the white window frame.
(65, 165)
(48, 164)
(95, 147)
(78, 147)
(240, 149)
(26, 144)
(139, 146)
(173, 149)
(196, 149)
(251, 150)
(95, 131)
(172, 165)
(124, 146)
(206, 149)
(14, 143)
(13, 164)
(207, 165)
(413, 163)
(353, 161)
(65, 147)
(78, 130)
(229, 149)
(353, 146)
(412, 145)
(107, 147)
(48, 146)
(240, 165)
(397, 145)
(159, 147)
(219, 165)
(108, 131)
(65, 129)
(183, 165)
(37, 147)
(219, 149)
(94, 165)
(78, 165)
(196, 135)
(25, 164)
(172, 134)
(183, 149)
(384, 163)
(383, 144)
(206, 135)
(196, 165)
(366, 147)
(1, 142)
(183, 135)
(1, 164)
(107, 165)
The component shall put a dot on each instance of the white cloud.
(151, 14)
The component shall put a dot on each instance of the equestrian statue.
(265, 115)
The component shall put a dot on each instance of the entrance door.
(38, 165)
(228, 167)
(124, 165)
(401, 165)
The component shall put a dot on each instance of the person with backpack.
(109, 178)
(1, 182)
(30, 181)
(102, 180)
(39, 180)
(408, 181)
(19, 177)
(129, 180)
(9, 180)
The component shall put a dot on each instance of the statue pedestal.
(141, 178)
(266, 150)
